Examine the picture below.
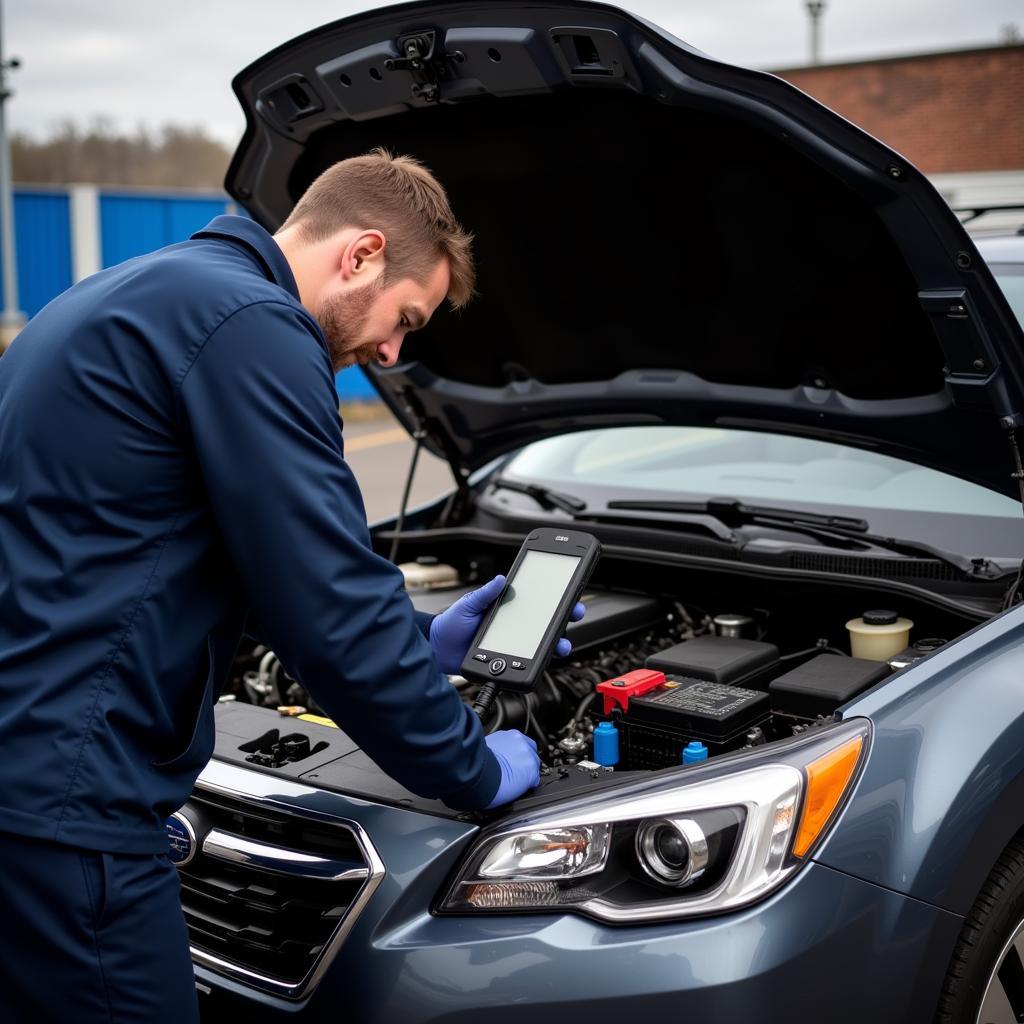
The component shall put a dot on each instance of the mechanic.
(171, 475)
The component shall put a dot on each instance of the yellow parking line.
(691, 438)
(381, 437)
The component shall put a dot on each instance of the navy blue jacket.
(171, 464)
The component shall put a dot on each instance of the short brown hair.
(400, 196)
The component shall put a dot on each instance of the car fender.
(942, 791)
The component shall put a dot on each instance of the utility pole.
(12, 319)
(815, 8)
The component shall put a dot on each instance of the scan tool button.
(519, 664)
(497, 666)
(481, 657)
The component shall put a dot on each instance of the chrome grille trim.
(279, 859)
(263, 790)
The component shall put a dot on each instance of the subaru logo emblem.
(181, 838)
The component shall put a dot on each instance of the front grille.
(267, 892)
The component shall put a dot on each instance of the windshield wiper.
(734, 513)
(845, 531)
(544, 496)
(720, 525)
(577, 508)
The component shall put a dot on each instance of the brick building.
(957, 115)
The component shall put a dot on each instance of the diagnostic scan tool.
(518, 635)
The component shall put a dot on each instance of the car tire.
(987, 969)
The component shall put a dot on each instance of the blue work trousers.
(88, 937)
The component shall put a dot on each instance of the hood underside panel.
(659, 238)
(656, 239)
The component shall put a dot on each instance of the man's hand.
(520, 765)
(453, 630)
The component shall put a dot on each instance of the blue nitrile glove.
(453, 630)
(520, 764)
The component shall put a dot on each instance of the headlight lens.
(673, 851)
(680, 843)
(550, 853)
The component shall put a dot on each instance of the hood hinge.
(1018, 467)
(459, 504)
(427, 68)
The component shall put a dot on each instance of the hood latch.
(427, 68)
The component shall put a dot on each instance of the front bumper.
(827, 947)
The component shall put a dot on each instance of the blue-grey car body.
(770, 961)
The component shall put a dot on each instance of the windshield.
(895, 497)
(1011, 279)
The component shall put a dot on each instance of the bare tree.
(175, 156)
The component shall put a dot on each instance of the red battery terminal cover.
(618, 690)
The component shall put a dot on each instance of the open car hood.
(660, 238)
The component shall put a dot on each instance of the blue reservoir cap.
(606, 744)
(694, 752)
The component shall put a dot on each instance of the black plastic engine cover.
(819, 686)
(718, 659)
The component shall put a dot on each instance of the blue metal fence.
(354, 386)
(130, 224)
(42, 247)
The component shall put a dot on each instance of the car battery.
(656, 726)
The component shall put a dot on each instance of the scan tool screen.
(528, 604)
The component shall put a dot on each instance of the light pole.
(12, 319)
(815, 8)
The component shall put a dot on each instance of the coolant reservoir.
(429, 574)
(878, 635)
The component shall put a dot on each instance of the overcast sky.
(140, 62)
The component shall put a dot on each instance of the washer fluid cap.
(879, 617)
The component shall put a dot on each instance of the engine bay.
(655, 678)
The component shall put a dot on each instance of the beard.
(342, 317)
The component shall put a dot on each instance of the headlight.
(678, 843)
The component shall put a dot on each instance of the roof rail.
(977, 210)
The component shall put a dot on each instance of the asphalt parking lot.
(378, 449)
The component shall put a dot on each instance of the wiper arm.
(734, 513)
(575, 507)
(544, 496)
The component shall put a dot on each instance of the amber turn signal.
(828, 778)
